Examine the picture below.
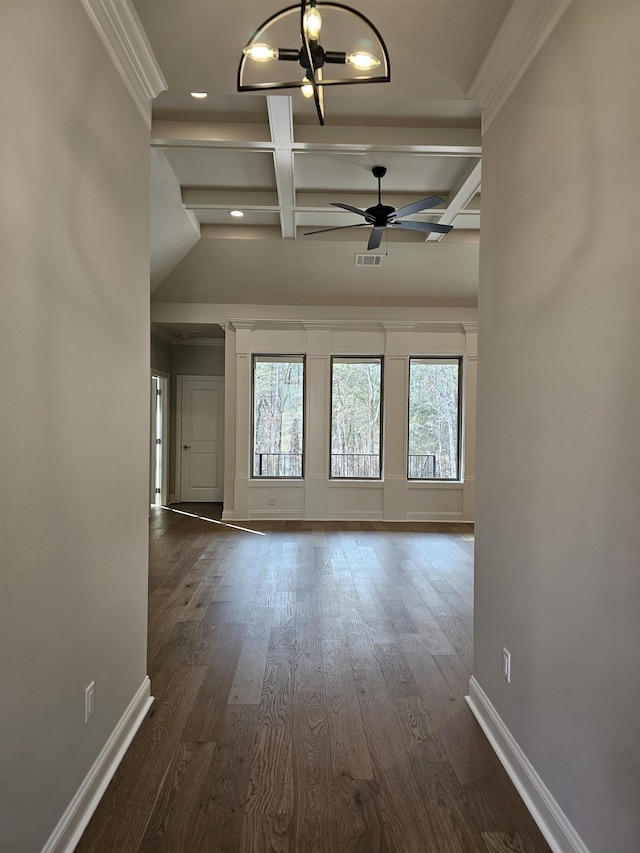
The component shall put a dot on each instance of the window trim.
(278, 357)
(436, 358)
(367, 358)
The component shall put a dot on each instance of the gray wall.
(558, 429)
(160, 354)
(74, 450)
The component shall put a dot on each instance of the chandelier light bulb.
(312, 22)
(307, 88)
(261, 52)
(362, 60)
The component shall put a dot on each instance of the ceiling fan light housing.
(382, 216)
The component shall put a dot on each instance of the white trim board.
(73, 822)
(123, 35)
(552, 821)
(523, 32)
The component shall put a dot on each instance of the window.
(434, 419)
(356, 417)
(278, 415)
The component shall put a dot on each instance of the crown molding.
(197, 342)
(122, 33)
(523, 32)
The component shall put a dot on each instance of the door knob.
(186, 447)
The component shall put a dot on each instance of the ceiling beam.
(281, 126)
(459, 199)
(210, 199)
(444, 142)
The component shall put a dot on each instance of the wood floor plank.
(508, 842)
(208, 710)
(397, 674)
(358, 825)
(171, 826)
(270, 789)
(444, 798)
(313, 787)
(309, 686)
(349, 752)
(267, 833)
(218, 822)
(249, 674)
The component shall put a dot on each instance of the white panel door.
(202, 445)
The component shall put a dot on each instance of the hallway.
(309, 682)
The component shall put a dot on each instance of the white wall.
(558, 492)
(75, 390)
(316, 496)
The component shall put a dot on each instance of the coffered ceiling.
(267, 156)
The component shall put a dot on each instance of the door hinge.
(157, 491)
(159, 392)
(158, 441)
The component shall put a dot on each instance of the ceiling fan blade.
(423, 226)
(375, 238)
(417, 206)
(335, 228)
(352, 209)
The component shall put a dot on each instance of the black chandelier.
(366, 62)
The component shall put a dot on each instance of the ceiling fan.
(382, 216)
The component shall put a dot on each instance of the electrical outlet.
(272, 500)
(89, 701)
(506, 664)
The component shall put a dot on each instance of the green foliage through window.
(278, 415)
(356, 417)
(434, 418)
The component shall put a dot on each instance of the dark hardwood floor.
(309, 681)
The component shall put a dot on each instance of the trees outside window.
(356, 417)
(434, 419)
(278, 415)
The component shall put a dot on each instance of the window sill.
(435, 484)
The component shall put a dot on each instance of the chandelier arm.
(288, 54)
(312, 56)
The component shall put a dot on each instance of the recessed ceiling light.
(199, 94)
(236, 213)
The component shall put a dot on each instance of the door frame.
(180, 378)
(164, 484)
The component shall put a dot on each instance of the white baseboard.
(552, 821)
(73, 822)
(354, 515)
(275, 515)
(429, 515)
(348, 515)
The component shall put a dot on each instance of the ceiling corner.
(123, 35)
(523, 32)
